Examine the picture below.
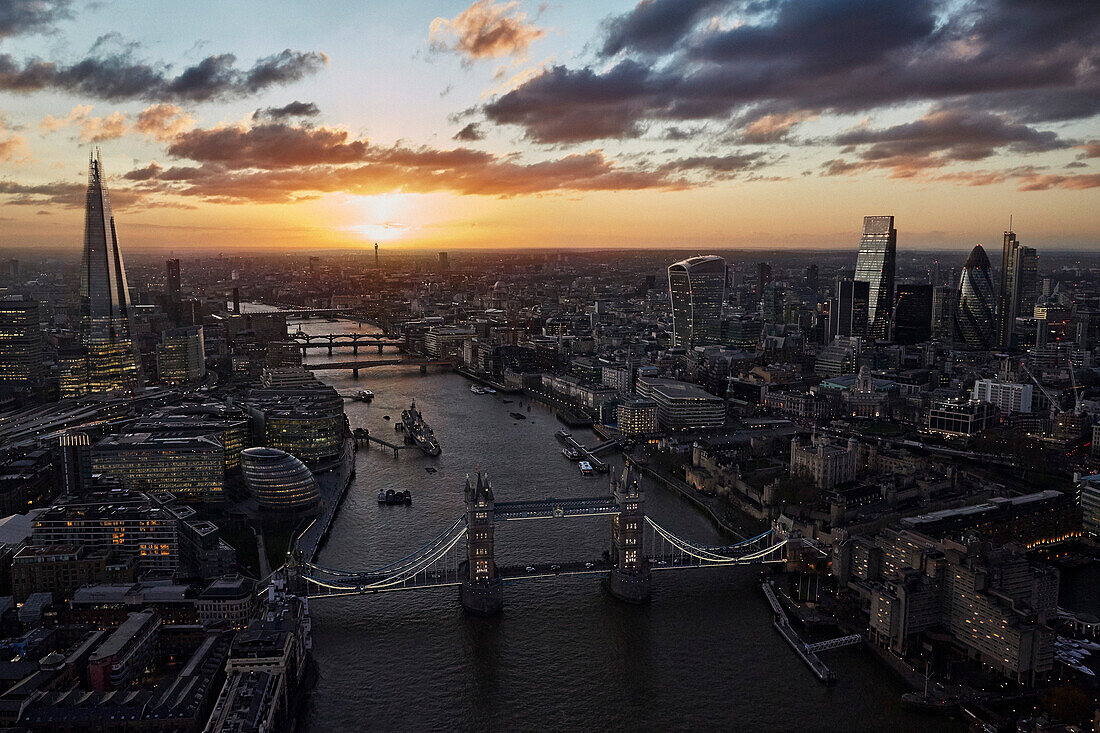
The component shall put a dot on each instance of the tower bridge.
(463, 554)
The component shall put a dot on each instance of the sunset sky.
(669, 123)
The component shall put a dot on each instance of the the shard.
(105, 312)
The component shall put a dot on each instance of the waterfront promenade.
(333, 485)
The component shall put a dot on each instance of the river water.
(563, 655)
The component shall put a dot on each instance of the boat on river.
(518, 415)
(419, 431)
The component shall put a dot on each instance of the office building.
(306, 423)
(105, 310)
(172, 287)
(913, 314)
(944, 300)
(637, 417)
(125, 654)
(61, 569)
(697, 288)
(841, 356)
(129, 523)
(20, 344)
(848, 311)
(682, 406)
(1088, 489)
(181, 355)
(875, 265)
(974, 312)
(1005, 396)
(960, 417)
(278, 480)
(763, 277)
(191, 467)
(1019, 287)
(1006, 296)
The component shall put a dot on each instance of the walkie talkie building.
(697, 287)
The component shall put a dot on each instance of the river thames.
(564, 655)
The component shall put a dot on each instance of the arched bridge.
(343, 340)
(462, 555)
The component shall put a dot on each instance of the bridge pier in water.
(630, 579)
(481, 590)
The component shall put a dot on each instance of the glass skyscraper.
(697, 287)
(975, 309)
(875, 265)
(105, 313)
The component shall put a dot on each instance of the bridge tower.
(482, 591)
(629, 579)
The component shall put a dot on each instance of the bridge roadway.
(445, 578)
(593, 506)
(357, 365)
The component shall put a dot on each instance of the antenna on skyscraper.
(1010, 222)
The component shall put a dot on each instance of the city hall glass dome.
(278, 480)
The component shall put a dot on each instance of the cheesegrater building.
(105, 313)
(875, 265)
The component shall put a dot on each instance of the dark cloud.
(470, 133)
(943, 136)
(280, 162)
(653, 26)
(294, 109)
(1030, 59)
(119, 76)
(574, 105)
(57, 192)
(28, 16)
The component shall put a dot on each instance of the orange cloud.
(163, 121)
(485, 30)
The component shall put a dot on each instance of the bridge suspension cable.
(708, 555)
(397, 565)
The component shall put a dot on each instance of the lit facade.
(1005, 396)
(191, 467)
(960, 417)
(20, 343)
(181, 356)
(278, 480)
(637, 417)
(697, 288)
(875, 265)
(129, 523)
(681, 405)
(306, 423)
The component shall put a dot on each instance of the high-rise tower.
(1006, 297)
(105, 317)
(875, 266)
(974, 312)
(697, 287)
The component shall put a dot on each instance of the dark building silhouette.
(913, 314)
